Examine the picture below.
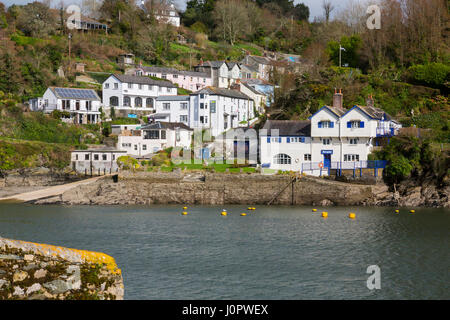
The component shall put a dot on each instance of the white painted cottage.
(82, 105)
(154, 137)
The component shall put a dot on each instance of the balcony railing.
(385, 132)
(345, 165)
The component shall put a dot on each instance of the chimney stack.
(369, 101)
(338, 99)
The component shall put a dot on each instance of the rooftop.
(173, 98)
(222, 92)
(143, 80)
(166, 125)
(289, 127)
(75, 93)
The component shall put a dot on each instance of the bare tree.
(327, 7)
(231, 18)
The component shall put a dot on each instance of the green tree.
(352, 46)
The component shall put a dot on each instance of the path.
(50, 192)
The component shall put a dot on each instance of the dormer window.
(326, 124)
(354, 124)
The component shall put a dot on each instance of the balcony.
(385, 132)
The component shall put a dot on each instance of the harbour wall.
(146, 188)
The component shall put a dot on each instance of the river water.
(272, 253)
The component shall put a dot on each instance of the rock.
(57, 286)
(20, 276)
(74, 281)
(40, 273)
(28, 257)
(4, 283)
(10, 257)
(326, 203)
(35, 287)
(18, 291)
(29, 267)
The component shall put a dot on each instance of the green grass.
(182, 92)
(23, 40)
(183, 49)
(254, 51)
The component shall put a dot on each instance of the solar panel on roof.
(75, 93)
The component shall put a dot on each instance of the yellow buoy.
(243, 214)
(324, 214)
(397, 211)
(249, 208)
(184, 208)
(184, 213)
(224, 213)
(314, 210)
(412, 211)
(352, 215)
(253, 208)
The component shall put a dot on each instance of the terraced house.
(133, 96)
(220, 109)
(189, 80)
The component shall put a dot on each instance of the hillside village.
(261, 108)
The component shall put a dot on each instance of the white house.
(133, 95)
(258, 97)
(168, 14)
(102, 160)
(82, 105)
(219, 109)
(223, 74)
(285, 144)
(154, 137)
(172, 109)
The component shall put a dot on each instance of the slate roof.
(173, 98)
(144, 80)
(175, 71)
(337, 111)
(289, 127)
(166, 125)
(375, 113)
(212, 64)
(222, 92)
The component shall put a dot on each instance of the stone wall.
(216, 189)
(31, 271)
(207, 188)
(36, 177)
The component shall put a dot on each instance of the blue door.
(327, 160)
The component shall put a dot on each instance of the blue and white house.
(339, 139)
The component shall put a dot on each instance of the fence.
(345, 165)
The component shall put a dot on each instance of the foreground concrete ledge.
(36, 271)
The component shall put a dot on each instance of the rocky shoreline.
(146, 188)
(32, 271)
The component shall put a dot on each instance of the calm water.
(274, 253)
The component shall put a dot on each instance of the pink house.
(189, 80)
